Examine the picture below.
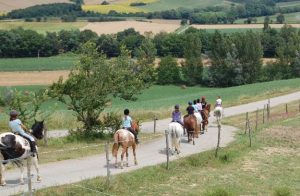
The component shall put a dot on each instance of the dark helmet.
(176, 106)
(126, 112)
(190, 103)
(14, 113)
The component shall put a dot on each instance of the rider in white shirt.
(218, 102)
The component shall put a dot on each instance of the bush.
(105, 3)
(68, 18)
(283, 191)
(168, 71)
(138, 4)
(28, 20)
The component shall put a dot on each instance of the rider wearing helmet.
(203, 102)
(127, 120)
(17, 127)
(176, 115)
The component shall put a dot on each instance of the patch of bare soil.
(140, 26)
(31, 77)
(9, 5)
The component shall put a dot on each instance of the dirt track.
(30, 77)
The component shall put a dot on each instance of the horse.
(218, 113)
(199, 121)
(205, 114)
(176, 131)
(125, 138)
(15, 148)
(190, 123)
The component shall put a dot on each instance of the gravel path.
(151, 153)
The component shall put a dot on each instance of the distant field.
(37, 64)
(42, 27)
(152, 5)
(291, 18)
(8, 5)
(288, 4)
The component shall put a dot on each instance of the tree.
(193, 62)
(168, 71)
(93, 82)
(280, 18)
(266, 23)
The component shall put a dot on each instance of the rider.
(190, 109)
(127, 121)
(203, 102)
(199, 105)
(195, 106)
(218, 102)
(18, 128)
(176, 115)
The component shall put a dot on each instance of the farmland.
(291, 18)
(42, 27)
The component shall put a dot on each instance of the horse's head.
(135, 126)
(37, 129)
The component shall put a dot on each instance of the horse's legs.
(122, 155)
(2, 179)
(127, 164)
(134, 154)
(115, 153)
(36, 166)
(22, 174)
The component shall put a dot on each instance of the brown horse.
(205, 115)
(190, 124)
(126, 139)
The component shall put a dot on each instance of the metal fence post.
(167, 147)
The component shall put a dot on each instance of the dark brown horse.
(190, 124)
(205, 115)
(126, 139)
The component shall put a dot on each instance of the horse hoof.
(122, 167)
(127, 165)
(39, 179)
(136, 163)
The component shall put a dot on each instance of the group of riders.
(197, 106)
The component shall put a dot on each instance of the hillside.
(6, 6)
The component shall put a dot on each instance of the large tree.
(95, 80)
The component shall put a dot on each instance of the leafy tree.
(266, 23)
(168, 71)
(93, 82)
(193, 62)
(280, 18)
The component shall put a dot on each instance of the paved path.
(151, 153)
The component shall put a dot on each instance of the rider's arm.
(24, 127)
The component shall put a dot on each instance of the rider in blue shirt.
(126, 122)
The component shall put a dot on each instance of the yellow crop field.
(121, 7)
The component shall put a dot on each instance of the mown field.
(61, 62)
(42, 27)
(160, 100)
(291, 18)
(288, 4)
(269, 167)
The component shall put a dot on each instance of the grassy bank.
(160, 100)
(269, 167)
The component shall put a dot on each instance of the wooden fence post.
(154, 128)
(167, 147)
(247, 119)
(268, 112)
(286, 109)
(45, 134)
(264, 114)
(107, 164)
(249, 133)
(29, 175)
(256, 119)
(219, 138)
(299, 105)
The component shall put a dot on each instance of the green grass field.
(62, 62)
(42, 27)
(291, 18)
(269, 167)
(160, 100)
(288, 4)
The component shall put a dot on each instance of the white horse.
(176, 132)
(199, 121)
(218, 113)
(15, 149)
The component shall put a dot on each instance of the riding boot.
(33, 148)
(136, 139)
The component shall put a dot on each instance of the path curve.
(151, 153)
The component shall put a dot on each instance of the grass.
(160, 100)
(42, 27)
(288, 4)
(291, 18)
(269, 167)
(61, 62)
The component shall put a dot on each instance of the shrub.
(105, 3)
(168, 71)
(138, 4)
(283, 191)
